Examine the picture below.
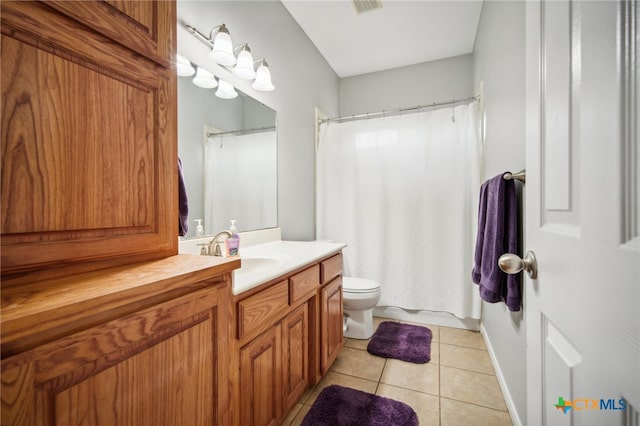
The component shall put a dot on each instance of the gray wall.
(420, 84)
(302, 78)
(499, 56)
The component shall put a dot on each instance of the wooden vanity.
(167, 342)
(287, 333)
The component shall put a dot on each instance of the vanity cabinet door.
(295, 359)
(89, 152)
(142, 26)
(158, 366)
(331, 332)
(261, 380)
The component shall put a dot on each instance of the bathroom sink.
(254, 263)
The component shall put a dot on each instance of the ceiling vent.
(363, 6)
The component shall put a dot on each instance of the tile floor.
(457, 387)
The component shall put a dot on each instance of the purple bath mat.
(405, 342)
(341, 406)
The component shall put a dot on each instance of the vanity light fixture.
(222, 50)
(263, 77)
(204, 79)
(226, 90)
(244, 66)
(184, 67)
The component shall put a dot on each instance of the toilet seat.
(359, 285)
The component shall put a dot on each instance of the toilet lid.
(359, 285)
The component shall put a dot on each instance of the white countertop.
(280, 257)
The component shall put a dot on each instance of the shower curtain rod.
(395, 111)
(241, 131)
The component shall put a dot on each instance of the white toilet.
(359, 297)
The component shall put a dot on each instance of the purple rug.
(340, 406)
(405, 342)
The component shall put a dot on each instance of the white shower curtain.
(402, 192)
(240, 180)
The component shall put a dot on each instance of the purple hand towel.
(183, 204)
(497, 235)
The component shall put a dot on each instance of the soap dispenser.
(233, 242)
(199, 228)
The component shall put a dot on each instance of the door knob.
(512, 264)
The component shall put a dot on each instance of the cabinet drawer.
(302, 283)
(260, 311)
(331, 268)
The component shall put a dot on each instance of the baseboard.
(515, 418)
(444, 319)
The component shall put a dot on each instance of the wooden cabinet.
(331, 330)
(273, 337)
(281, 352)
(146, 354)
(261, 380)
(89, 152)
(331, 311)
(101, 322)
(94, 376)
(144, 27)
(295, 356)
(274, 370)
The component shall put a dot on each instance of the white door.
(582, 213)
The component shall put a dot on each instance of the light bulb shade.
(263, 79)
(222, 51)
(204, 79)
(244, 66)
(226, 90)
(184, 67)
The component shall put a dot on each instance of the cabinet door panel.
(332, 320)
(171, 383)
(88, 145)
(76, 184)
(139, 25)
(295, 328)
(261, 380)
(157, 366)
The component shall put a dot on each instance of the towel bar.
(521, 176)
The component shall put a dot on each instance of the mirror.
(228, 150)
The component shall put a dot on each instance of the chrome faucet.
(212, 248)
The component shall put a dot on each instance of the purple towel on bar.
(497, 235)
(183, 204)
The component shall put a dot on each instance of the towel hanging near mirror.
(183, 203)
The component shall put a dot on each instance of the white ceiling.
(400, 33)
